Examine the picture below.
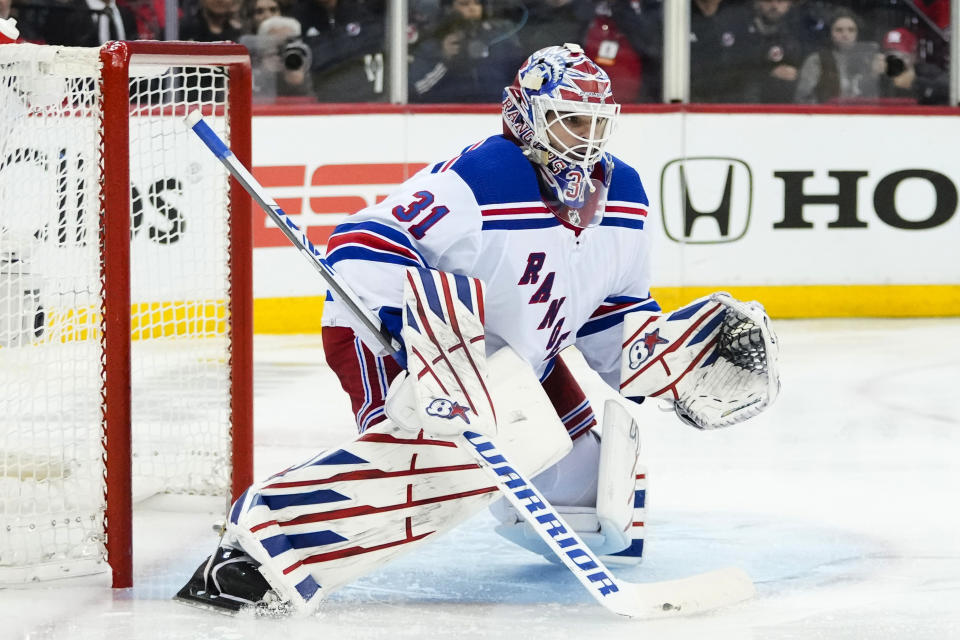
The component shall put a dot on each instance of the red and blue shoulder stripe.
(372, 241)
(628, 215)
(517, 215)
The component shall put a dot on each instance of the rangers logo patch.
(644, 348)
(443, 408)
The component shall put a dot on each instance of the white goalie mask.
(561, 109)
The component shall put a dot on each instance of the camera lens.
(895, 65)
(293, 60)
(296, 56)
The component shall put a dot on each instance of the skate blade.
(218, 605)
(232, 608)
(206, 606)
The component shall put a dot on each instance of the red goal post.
(125, 296)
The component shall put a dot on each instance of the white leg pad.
(345, 512)
(621, 484)
(633, 554)
(614, 528)
(607, 476)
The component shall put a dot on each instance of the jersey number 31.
(423, 200)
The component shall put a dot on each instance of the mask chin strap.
(540, 157)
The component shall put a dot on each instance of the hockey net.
(125, 299)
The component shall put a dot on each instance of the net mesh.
(179, 283)
(52, 138)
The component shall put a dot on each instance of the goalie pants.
(366, 377)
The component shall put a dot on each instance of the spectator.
(713, 47)
(5, 9)
(84, 23)
(937, 10)
(346, 40)
(808, 20)
(32, 18)
(905, 77)
(470, 57)
(771, 53)
(260, 10)
(843, 71)
(422, 14)
(613, 41)
(25, 29)
(553, 22)
(318, 17)
(713, 28)
(212, 21)
(112, 21)
(149, 15)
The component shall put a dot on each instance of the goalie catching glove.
(715, 360)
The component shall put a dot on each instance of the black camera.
(296, 56)
(895, 65)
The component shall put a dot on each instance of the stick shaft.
(547, 522)
(296, 235)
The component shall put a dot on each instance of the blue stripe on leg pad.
(284, 500)
(341, 456)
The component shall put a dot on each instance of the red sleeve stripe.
(613, 308)
(370, 241)
(635, 211)
(528, 209)
(608, 309)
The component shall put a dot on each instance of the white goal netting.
(53, 136)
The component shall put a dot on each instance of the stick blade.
(684, 596)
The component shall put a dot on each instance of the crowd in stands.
(742, 51)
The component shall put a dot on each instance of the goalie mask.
(561, 109)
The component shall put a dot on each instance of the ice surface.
(841, 502)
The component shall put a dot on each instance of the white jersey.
(480, 214)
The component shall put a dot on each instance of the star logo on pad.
(459, 410)
(644, 348)
(448, 409)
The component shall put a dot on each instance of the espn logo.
(706, 200)
(319, 203)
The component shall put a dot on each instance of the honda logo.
(706, 200)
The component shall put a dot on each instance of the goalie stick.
(687, 595)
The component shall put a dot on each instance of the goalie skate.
(229, 581)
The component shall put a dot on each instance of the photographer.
(904, 76)
(281, 61)
(469, 56)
